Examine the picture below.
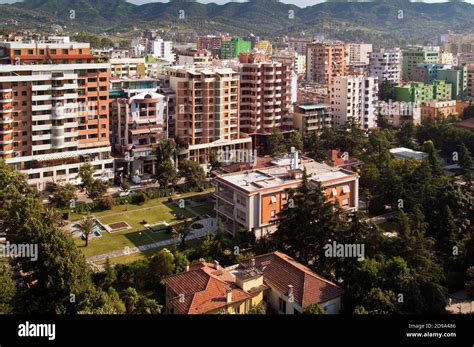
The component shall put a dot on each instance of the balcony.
(6, 120)
(58, 131)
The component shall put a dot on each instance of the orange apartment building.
(54, 118)
(265, 94)
(253, 200)
(207, 107)
(325, 61)
(54, 50)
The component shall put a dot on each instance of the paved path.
(460, 304)
(210, 227)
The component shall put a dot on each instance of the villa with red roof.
(276, 280)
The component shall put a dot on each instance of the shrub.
(106, 203)
(139, 198)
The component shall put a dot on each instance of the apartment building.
(53, 119)
(446, 58)
(324, 62)
(128, 67)
(428, 73)
(161, 49)
(138, 122)
(195, 57)
(299, 45)
(418, 93)
(53, 50)
(207, 110)
(264, 47)
(212, 43)
(312, 117)
(234, 47)
(274, 280)
(354, 99)
(386, 65)
(433, 109)
(253, 200)
(417, 55)
(470, 82)
(457, 77)
(265, 95)
(295, 60)
(358, 53)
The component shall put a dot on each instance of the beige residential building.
(207, 110)
(253, 200)
(312, 117)
(128, 67)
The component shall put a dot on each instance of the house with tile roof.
(276, 280)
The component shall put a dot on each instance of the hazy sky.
(301, 3)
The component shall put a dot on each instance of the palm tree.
(87, 228)
(182, 231)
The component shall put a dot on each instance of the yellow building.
(274, 280)
(265, 46)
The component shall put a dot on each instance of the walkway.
(210, 227)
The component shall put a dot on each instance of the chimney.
(216, 264)
(187, 268)
(229, 295)
(290, 290)
(252, 263)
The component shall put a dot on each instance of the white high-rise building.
(358, 53)
(354, 98)
(386, 65)
(160, 48)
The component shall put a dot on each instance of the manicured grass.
(152, 212)
(206, 209)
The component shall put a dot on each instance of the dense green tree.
(386, 91)
(296, 141)
(257, 310)
(98, 189)
(470, 283)
(315, 147)
(167, 174)
(131, 299)
(86, 173)
(7, 287)
(276, 144)
(147, 306)
(63, 195)
(193, 173)
(161, 265)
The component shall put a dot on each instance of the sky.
(301, 3)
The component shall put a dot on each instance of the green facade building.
(232, 49)
(414, 56)
(418, 93)
(457, 77)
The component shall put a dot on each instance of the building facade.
(312, 117)
(386, 65)
(354, 99)
(417, 55)
(324, 62)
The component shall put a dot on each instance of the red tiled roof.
(467, 124)
(280, 271)
(203, 289)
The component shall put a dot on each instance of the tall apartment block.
(324, 62)
(457, 77)
(212, 43)
(55, 118)
(234, 47)
(417, 55)
(253, 200)
(354, 98)
(162, 49)
(386, 65)
(265, 96)
(358, 53)
(428, 73)
(207, 110)
(138, 121)
(295, 60)
(128, 67)
(299, 45)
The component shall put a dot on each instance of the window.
(334, 192)
(273, 214)
(346, 189)
(30, 52)
(282, 305)
(274, 200)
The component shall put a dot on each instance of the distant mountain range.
(386, 21)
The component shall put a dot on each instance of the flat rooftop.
(407, 153)
(280, 173)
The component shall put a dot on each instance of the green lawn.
(206, 209)
(153, 212)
